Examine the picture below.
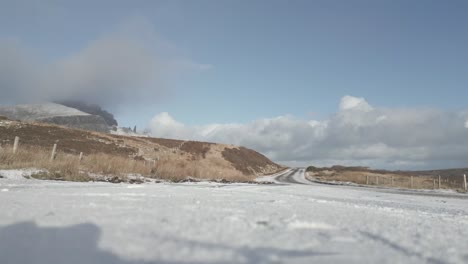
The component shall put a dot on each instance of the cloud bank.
(129, 65)
(357, 134)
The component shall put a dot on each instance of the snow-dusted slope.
(47, 222)
(55, 114)
(122, 131)
(38, 111)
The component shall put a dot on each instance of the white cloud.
(166, 127)
(132, 64)
(358, 134)
(354, 103)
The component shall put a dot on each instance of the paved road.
(298, 176)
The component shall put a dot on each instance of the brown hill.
(167, 158)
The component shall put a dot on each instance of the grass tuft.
(68, 167)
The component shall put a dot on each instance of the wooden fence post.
(411, 182)
(15, 145)
(464, 182)
(367, 179)
(81, 156)
(439, 181)
(433, 183)
(54, 149)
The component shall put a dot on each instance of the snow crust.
(126, 132)
(64, 222)
(39, 111)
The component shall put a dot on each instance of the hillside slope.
(55, 114)
(195, 159)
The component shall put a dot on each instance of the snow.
(126, 132)
(18, 175)
(65, 222)
(39, 111)
(271, 178)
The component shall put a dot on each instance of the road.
(297, 176)
(294, 221)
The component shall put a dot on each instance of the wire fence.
(453, 182)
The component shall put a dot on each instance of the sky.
(371, 83)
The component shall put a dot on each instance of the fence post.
(15, 145)
(81, 156)
(439, 181)
(464, 182)
(377, 180)
(411, 182)
(433, 183)
(54, 149)
(367, 179)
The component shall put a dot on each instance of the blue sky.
(254, 60)
(274, 57)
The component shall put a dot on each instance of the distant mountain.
(55, 114)
(32, 112)
(92, 109)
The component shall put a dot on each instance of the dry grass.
(177, 170)
(116, 165)
(176, 159)
(118, 156)
(68, 167)
(388, 179)
(248, 161)
(63, 168)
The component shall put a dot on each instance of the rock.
(115, 179)
(135, 181)
(55, 114)
(89, 122)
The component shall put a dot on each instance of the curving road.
(297, 176)
(294, 176)
(296, 221)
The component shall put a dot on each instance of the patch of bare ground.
(196, 148)
(449, 179)
(70, 140)
(248, 161)
(168, 143)
(114, 155)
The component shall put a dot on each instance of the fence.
(458, 182)
(16, 150)
(410, 182)
(418, 182)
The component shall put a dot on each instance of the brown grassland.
(449, 179)
(107, 155)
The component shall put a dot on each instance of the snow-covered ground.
(39, 111)
(63, 222)
(121, 131)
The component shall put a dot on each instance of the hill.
(92, 109)
(162, 158)
(55, 114)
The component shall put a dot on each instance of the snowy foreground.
(49, 222)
